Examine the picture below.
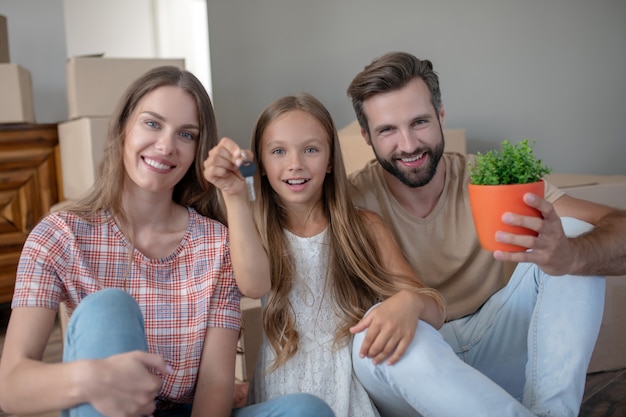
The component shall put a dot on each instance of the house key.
(247, 169)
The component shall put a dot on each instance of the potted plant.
(498, 182)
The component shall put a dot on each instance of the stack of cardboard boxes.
(250, 339)
(95, 84)
(16, 98)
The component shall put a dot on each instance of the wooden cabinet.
(29, 186)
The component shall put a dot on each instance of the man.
(511, 347)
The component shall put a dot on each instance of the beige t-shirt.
(443, 248)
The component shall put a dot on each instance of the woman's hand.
(126, 385)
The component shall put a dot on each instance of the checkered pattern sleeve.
(47, 257)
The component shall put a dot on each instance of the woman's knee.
(307, 405)
(112, 300)
(289, 405)
(104, 323)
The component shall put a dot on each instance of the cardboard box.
(16, 95)
(96, 84)
(250, 340)
(4, 41)
(610, 351)
(81, 145)
(356, 152)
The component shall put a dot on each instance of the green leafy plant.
(513, 164)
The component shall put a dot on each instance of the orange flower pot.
(490, 202)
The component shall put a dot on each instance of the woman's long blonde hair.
(192, 190)
(357, 278)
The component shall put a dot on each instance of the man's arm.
(601, 251)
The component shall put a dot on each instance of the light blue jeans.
(524, 353)
(109, 322)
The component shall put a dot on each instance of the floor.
(605, 395)
(605, 392)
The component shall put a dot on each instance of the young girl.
(330, 263)
(143, 264)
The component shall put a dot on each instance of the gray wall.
(549, 70)
(37, 42)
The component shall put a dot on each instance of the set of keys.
(247, 169)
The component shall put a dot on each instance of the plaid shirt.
(65, 258)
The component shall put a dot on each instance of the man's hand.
(551, 250)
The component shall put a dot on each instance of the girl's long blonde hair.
(357, 278)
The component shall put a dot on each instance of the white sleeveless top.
(318, 367)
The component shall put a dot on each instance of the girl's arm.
(391, 325)
(216, 376)
(121, 385)
(433, 311)
(249, 259)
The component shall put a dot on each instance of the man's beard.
(416, 177)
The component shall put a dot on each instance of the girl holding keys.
(330, 263)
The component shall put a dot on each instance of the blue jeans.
(109, 322)
(524, 353)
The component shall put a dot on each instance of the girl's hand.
(390, 327)
(240, 397)
(221, 168)
(124, 385)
